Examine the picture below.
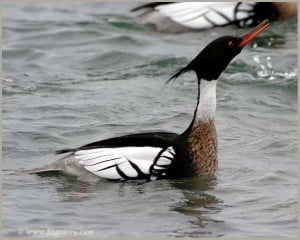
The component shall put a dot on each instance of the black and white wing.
(124, 163)
(197, 15)
(200, 15)
(159, 168)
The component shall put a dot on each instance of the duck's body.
(152, 155)
(178, 17)
(157, 155)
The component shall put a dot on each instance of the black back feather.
(177, 74)
(149, 5)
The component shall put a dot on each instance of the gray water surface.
(75, 73)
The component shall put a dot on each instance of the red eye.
(230, 44)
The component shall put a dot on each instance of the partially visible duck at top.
(156, 155)
(178, 17)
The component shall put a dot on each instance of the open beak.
(254, 33)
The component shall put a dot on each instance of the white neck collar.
(208, 100)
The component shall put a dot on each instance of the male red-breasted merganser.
(177, 17)
(157, 155)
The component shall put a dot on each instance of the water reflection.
(72, 189)
(192, 197)
(200, 204)
(195, 190)
(69, 189)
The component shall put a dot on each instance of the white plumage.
(125, 162)
(180, 16)
(200, 15)
(208, 100)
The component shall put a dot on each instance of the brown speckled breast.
(202, 147)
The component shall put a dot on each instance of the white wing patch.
(118, 163)
(201, 15)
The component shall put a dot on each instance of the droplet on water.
(262, 73)
(271, 78)
(256, 58)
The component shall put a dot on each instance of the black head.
(215, 57)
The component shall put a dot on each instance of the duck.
(160, 155)
(180, 17)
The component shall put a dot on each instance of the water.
(77, 73)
